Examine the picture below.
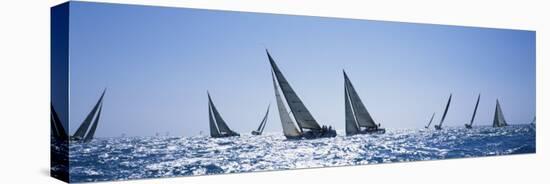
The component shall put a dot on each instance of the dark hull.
(370, 131)
(256, 133)
(294, 137)
(437, 127)
(468, 126)
(76, 140)
(314, 134)
(226, 135)
(319, 134)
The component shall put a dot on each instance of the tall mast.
(446, 110)
(475, 110)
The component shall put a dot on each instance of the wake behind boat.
(261, 128)
(358, 119)
(218, 127)
(86, 130)
(308, 127)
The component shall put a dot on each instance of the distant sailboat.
(301, 114)
(218, 127)
(260, 129)
(499, 120)
(86, 130)
(469, 126)
(357, 116)
(534, 120)
(439, 127)
(431, 119)
(58, 132)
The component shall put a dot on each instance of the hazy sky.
(158, 63)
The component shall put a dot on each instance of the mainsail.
(303, 117)
(431, 119)
(475, 110)
(360, 112)
(289, 129)
(91, 133)
(85, 126)
(222, 128)
(499, 120)
(264, 122)
(446, 110)
(351, 123)
(214, 132)
(56, 126)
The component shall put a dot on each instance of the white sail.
(214, 132)
(351, 123)
(289, 129)
(499, 120)
(263, 122)
(303, 117)
(362, 116)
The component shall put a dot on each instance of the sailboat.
(499, 120)
(86, 130)
(534, 120)
(358, 119)
(218, 127)
(58, 132)
(307, 125)
(439, 127)
(260, 129)
(431, 119)
(469, 126)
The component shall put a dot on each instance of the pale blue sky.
(158, 63)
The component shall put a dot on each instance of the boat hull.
(375, 131)
(294, 137)
(370, 131)
(256, 133)
(226, 135)
(468, 126)
(319, 134)
(314, 134)
(437, 127)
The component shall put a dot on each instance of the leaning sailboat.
(429, 123)
(308, 126)
(469, 126)
(358, 119)
(260, 129)
(218, 127)
(439, 127)
(499, 120)
(86, 130)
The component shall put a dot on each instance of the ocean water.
(151, 157)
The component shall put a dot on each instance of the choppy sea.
(151, 157)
